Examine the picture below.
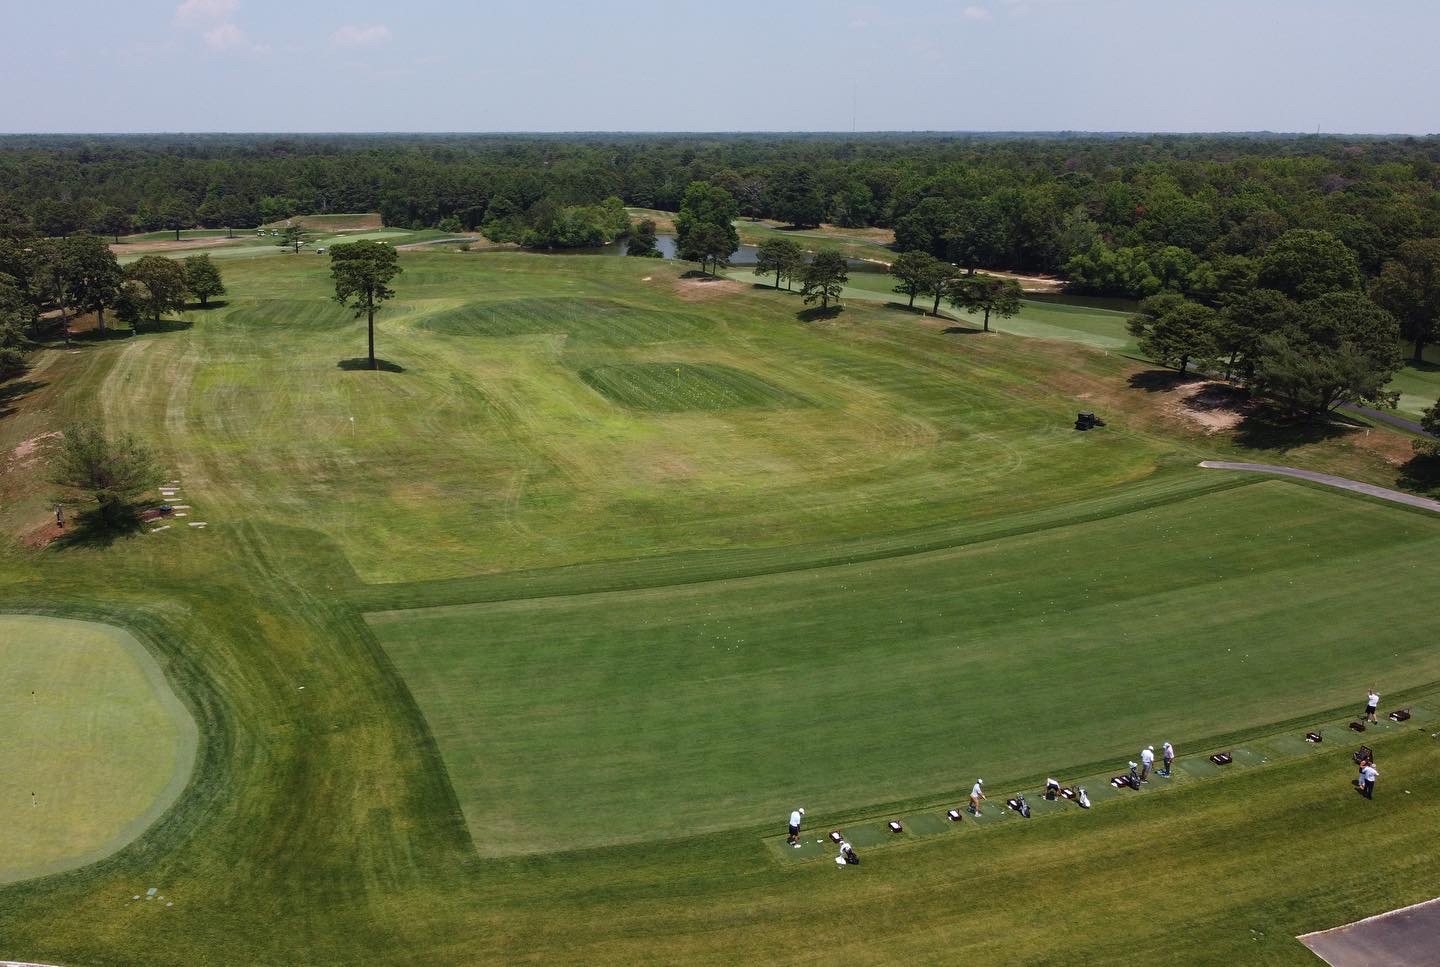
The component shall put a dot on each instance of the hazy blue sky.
(545, 65)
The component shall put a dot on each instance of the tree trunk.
(777, 280)
(370, 314)
(935, 309)
(177, 234)
(1419, 350)
(100, 318)
(987, 318)
(1184, 362)
(912, 298)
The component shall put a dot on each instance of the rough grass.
(322, 825)
(667, 388)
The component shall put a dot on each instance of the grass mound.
(604, 321)
(678, 387)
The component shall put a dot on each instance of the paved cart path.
(1403, 938)
(1329, 479)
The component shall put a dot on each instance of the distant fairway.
(617, 559)
(93, 731)
(588, 720)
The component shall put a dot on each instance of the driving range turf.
(492, 661)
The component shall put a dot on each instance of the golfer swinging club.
(1372, 702)
(977, 796)
(795, 818)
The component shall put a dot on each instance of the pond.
(742, 256)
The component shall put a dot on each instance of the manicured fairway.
(93, 732)
(521, 649)
(688, 709)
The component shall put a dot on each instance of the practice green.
(93, 732)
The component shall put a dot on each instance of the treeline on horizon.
(1119, 215)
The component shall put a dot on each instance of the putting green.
(96, 745)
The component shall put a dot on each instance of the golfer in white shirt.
(795, 818)
(1147, 759)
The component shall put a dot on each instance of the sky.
(1362, 66)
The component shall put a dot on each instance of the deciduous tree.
(1409, 287)
(1176, 332)
(824, 278)
(1305, 263)
(912, 270)
(202, 278)
(362, 272)
(987, 294)
(155, 285)
(783, 256)
(1344, 349)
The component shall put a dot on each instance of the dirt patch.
(42, 535)
(28, 448)
(1210, 406)
(1031, 283)
(698, 290)
(170, 245)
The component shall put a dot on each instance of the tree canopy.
(362, 272)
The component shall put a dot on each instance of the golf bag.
(1083, 798)
(1363, 754)
(849, 854)
(1134, 778)
(1019, 805)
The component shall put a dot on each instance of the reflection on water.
(742, 256)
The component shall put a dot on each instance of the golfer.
(1147, 760)
(977, 796)
(795, 818)
(1372, 702)
(1368, 775)
(1167, 753)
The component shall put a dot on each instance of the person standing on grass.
(1147, 760)
(1368, 775)
(977, 796)
(795, 817)
(1167, 754)
(1372, 702)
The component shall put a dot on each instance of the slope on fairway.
(93, 730)
(595, 719)
(490, 446)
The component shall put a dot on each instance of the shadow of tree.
(962, 331)
(212, 304)
(15, 390)
(816, 313)
(1267, 428)
(1421, 474)
(91, 529)
(362, 363)
(1162, 380)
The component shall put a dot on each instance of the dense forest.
(1237, 244)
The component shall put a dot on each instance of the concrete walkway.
(1330, 480)
(1403, 938)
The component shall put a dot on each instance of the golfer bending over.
(1167, 752)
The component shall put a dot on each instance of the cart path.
(1330, 480)
(1400, 937)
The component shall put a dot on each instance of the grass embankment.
(322, 824)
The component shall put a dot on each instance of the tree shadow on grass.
(213, 304)
(962, 331)
(15, 390)
(1267, 428)
(93, 529)
(818, 313)
(95, 335)
(1421, 474)
(362, 363)
(164, 325)
(1162, 380)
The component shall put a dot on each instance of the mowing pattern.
(675, 710)
(591, 320)
(677, 387)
